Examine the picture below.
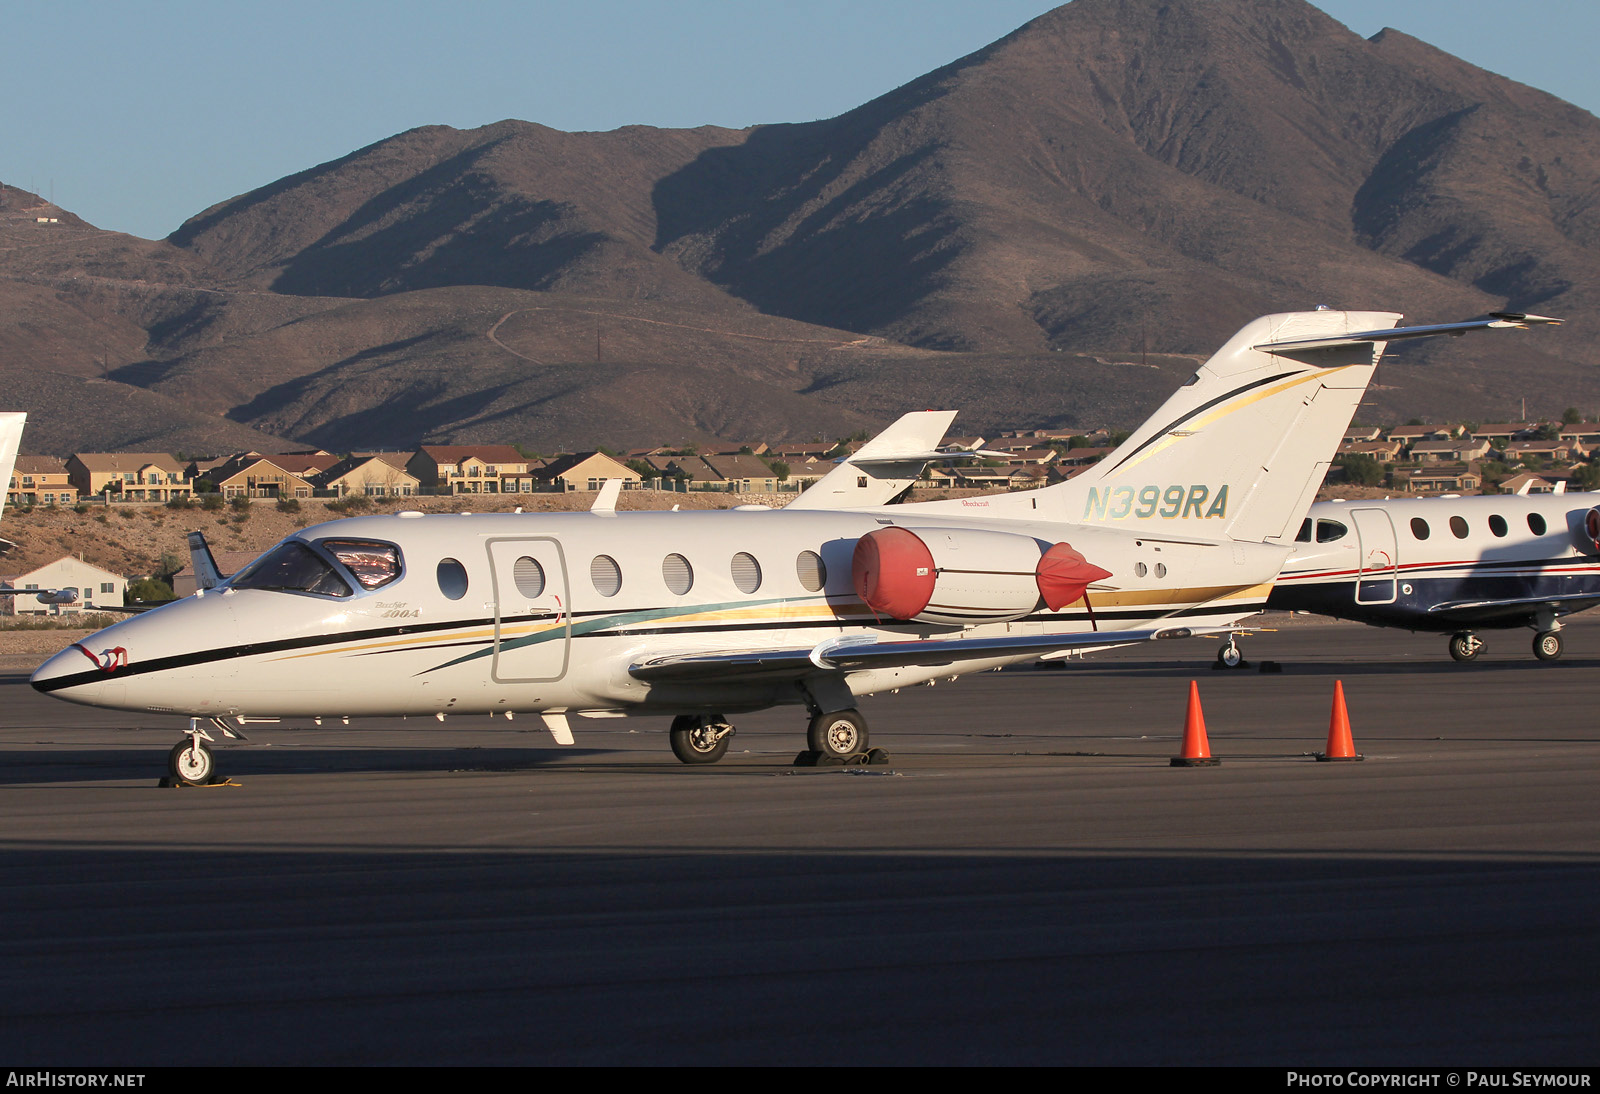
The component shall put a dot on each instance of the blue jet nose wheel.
(190, 762)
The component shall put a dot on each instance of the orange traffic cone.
(1196, 750)
(1340, 746)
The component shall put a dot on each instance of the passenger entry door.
(532, 609)
(1380, 556)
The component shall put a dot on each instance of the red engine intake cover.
(893, 572)
(1064, 576)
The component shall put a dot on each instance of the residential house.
(248, 475)
(471, 469)
(373, 475)
(1439, 479)
(587, 471)
(129, 476)
(40, 480)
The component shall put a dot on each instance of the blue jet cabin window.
(1458, 527)
(373, 564)
(1536, 524)
(292, 567)
(1304, 535)
(452, 578)
(1497, 525)
(1419, 527)
(1330, 530)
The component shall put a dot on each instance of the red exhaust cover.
(1064, 576)
(893, 572)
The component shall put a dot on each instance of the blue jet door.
(532, 609)
(1380, 557)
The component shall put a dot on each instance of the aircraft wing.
(851, 656)
(1514, 602)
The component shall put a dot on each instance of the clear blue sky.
(139, 114)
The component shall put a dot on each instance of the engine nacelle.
(1589, 537)
(964, 576)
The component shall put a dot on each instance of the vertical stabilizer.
(1239, 450)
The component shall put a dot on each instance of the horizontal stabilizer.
(1495, 321)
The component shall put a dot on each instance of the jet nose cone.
(55, 673)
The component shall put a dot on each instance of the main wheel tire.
(1547, 645)
(695, 740)
(840, 734)
(1230, 656)
(191, 763)
(1465, 647)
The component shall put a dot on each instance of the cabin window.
(1330, 530)
(373, 564)
(1140, 569)
(293, 567)
(678, 574)
(746, 572)
(809, 569)
(1458, 526)
(1161, 569)
(1536, 524)
(452, 578)
(1419, 527)
(1304, 535)
(528, 576)
(606, 575)
(1497, 525)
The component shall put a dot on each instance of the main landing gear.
(1465, 646)
(838, 735)
(1230, 656)
(704, 738)
(1547, 645)
(700, 738)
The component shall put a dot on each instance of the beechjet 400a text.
(700, 615)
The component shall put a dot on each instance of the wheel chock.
(1196, 749)
(1340, 745)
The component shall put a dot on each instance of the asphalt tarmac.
(1029, 881)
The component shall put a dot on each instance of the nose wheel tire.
(1230, 656)
(842, 733)
(697, 739)
(1466, 646)
(1547, 645)
(190, 762)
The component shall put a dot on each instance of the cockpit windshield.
(292, 567)
(373, 564)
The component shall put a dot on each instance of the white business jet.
(1452, 565)
(700, 615)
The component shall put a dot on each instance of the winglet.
(206, 573)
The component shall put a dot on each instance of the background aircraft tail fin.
(11, 424)
(206, 573)
(883, 467)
